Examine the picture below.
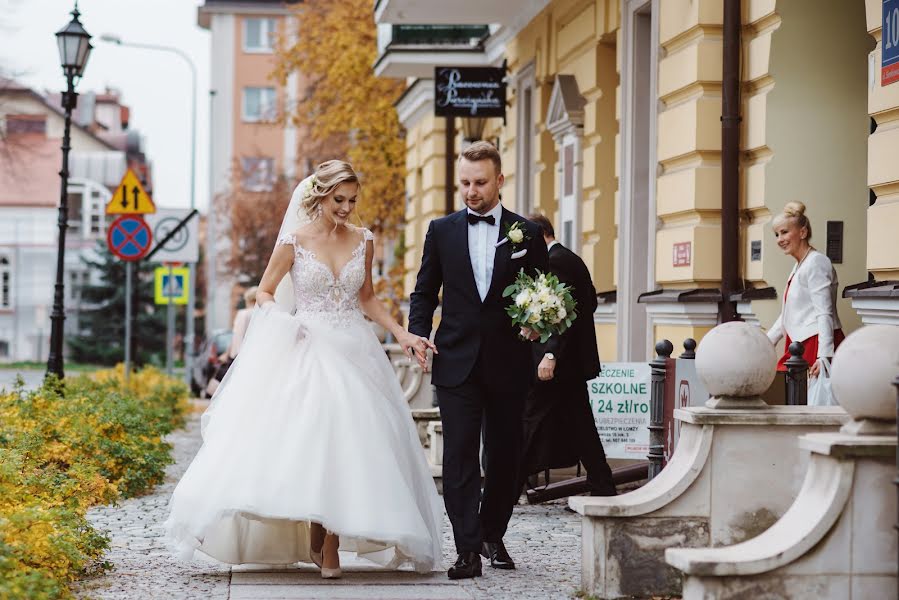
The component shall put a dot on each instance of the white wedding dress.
(310, 424)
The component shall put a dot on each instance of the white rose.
(523, 298)
(516, 236)
(562, 313)
(534, 318)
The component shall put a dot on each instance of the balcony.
(466, 12)
(414, 50)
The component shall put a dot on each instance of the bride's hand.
(417, 345)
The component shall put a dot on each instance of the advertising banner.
(619, 399)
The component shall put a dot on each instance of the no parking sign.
(129, 237)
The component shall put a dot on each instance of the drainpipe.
(450, 182)
(730, 162)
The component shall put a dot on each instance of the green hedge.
(60, 454)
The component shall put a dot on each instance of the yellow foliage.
(60, 455)
(345, 105)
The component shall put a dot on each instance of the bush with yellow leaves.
(64, 449)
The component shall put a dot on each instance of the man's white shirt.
(482, 238)
(550, 245)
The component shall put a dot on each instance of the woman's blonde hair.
(328, 176)
(796, 211)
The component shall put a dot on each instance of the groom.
(482, 369)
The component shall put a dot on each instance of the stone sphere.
(736, 359)
(864, 367)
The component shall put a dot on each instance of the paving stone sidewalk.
(543, 539)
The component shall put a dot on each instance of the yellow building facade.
(613, 130)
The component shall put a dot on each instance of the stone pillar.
(735, 471)
(836, 541)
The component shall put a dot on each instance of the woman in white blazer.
(809, 312)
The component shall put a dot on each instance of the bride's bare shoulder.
(304, 233)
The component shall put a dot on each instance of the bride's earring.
(318, 211)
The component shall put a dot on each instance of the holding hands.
(417, 345)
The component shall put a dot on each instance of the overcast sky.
(155, 85)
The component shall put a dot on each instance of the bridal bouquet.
(543, 304)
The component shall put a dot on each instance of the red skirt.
(810, 349)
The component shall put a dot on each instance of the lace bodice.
(317, 292)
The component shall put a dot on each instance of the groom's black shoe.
(468, 565)
(499, 557)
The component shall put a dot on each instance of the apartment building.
(248, 148)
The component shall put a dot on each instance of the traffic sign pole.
(129, 266)
(170, 324)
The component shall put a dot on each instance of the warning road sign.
(130, 198)
(129, 237)
(174, 289)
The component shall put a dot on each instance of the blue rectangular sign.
(889, 43)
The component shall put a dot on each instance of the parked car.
(207, 362)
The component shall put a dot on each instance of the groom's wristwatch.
(549, 356)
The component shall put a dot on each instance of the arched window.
(5, 283)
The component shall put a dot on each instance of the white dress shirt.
(482, 238)
(550, 245)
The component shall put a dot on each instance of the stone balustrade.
(836, 540)
(736, 470)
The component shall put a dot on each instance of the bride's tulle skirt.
(309, 425)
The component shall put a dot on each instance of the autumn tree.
(255, 218)
(345, 107)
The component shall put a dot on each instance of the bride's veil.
(294, 218)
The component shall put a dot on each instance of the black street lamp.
(74, 49)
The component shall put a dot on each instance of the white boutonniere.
(515, 235)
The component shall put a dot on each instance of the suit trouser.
(500, 404)
(572, 398)
(590, 450)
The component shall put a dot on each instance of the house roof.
(27, 165)
(11, 86)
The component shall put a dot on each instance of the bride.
(308, 444)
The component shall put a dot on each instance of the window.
(525, 167)
(5, 283)
(259, 35)
(569, 196)
(258, 174)
(258, 104)
(97, 215)
(75, 210)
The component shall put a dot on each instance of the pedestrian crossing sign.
(172, 285)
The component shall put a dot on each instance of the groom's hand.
(529, 334)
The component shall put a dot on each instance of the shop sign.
(470, 92)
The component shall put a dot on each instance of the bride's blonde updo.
(796, 212)
(328, 176)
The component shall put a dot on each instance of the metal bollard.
(797, 376)
(657, 407)
(689, 349)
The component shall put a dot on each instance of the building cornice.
(416, 102)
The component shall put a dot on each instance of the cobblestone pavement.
(544, 540)
(143, 565)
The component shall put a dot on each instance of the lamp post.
(74, 50)
(189, 334)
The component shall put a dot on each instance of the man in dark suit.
(559, 429)
(482, 369)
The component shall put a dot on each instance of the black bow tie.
(474, 219)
